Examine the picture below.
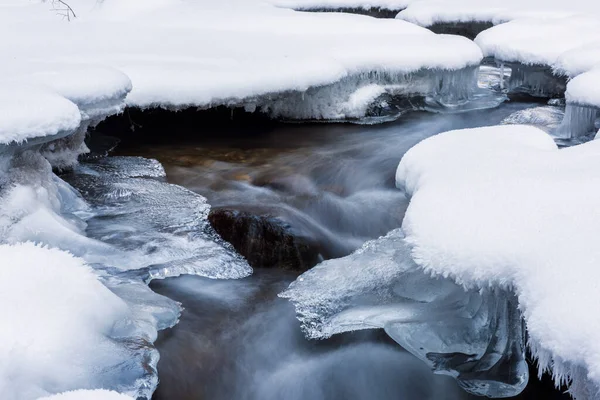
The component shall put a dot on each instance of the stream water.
(333, 183)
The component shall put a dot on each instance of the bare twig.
(63, 9)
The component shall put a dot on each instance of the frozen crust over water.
(181, 54)
(44, 100)
(568, 45)
(474, 336)
(503, 207)
(429, 12)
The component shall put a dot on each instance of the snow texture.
(29, 112)
(568, 45)
(582, 89)
(41, 291)
(429, 12)
(88, 395)
(235, 57)
(503, 207)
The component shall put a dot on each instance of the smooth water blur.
(236, 340)
(331, 183)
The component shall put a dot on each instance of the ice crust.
(568, 45)
(493, 207)
(475, 336)
(235, 59)
(429, 12)
(201, 54)
(129, 230)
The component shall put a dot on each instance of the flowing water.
(332, 183)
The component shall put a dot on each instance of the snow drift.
(58, 321)
(504, 207)
(236, 53)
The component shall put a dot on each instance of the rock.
(264, 240)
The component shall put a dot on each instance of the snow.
(88, 395)
(503, 207)
(568, 45)
(429, 12)
(578, 60)
(537, 40)
(204, 54)
(30, 112)
(41, 291)
(583, 89)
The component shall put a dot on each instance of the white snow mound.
(56, 320)
(88, 395)
(503, 206)
(180, 53)
(429, 12)
(29, 112)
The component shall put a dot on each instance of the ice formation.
(342, 67)
(430, 12)
(501, 223)
(104, 338)
(475, 336)
(130, 231)
(564, 46)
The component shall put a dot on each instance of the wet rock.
(264, 240)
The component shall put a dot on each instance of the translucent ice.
(475, 336)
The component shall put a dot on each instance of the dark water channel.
(333, 184)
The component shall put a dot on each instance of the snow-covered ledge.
(503, 207)
(44, 119)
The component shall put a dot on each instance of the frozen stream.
(332, 184)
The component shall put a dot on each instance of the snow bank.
(88, 395)
(502, 206)
(538, 41)
(578, 60)
(206, 54)
(29, 112)
(343, 4)
(583, 89)
(57, 321)
(429, 12)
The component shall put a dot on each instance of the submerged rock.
(264, 240)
